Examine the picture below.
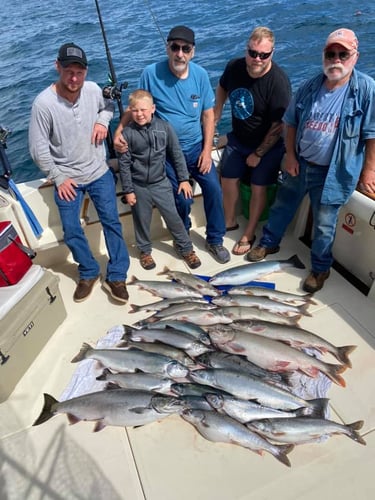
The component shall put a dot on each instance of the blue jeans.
(211, 192)
(289, 196)
(103, 194)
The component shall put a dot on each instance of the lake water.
(32, 31)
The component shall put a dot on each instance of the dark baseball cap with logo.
(70, 53)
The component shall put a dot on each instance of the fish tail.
(318, 407)
(333, 372)
(47, 411)
(353, 434)
(343, 354)
(296, 262)
(132, 281)
(309, 298)
(82, 353)
(104, 374)
(282, 452)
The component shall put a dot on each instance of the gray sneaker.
(219, 253)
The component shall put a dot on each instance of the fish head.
(215, 400)
(200, 376)
(175, 369)
(204, 338)
(167, 404)
(221, 335)
(194, 417)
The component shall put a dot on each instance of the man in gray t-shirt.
(69, 122)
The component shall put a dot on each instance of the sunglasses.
(175, 47)
(343, 55)
(262, 55)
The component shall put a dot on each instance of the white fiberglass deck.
(168, 460)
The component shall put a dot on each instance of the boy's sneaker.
(191, 259)
(117, 290)
(219, 253)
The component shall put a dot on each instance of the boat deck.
(168, 459)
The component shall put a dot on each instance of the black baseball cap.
(182, 33)
(70, 53)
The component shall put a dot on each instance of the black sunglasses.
(262, 55)
(186, 49)
(343, 55)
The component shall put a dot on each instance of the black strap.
(28, 251)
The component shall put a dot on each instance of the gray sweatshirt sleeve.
(125, 162)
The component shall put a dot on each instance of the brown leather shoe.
(117, 290)
(314, 281)
(146, 261)
(259, 253)
(84, 289)
(192, 259)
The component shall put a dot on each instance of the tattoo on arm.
(272, 136)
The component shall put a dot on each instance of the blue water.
(32, 31)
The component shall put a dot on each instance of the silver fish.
(224, 429)
(119, 407)
(132, 360)
(274, 355)
(245, 411)
(201, 317)
(159, 305)
(262, 303)
(278, 295)
(190, 389)
(240, 275)
(165, 289)
(304, 429)
(192, 281)
(296, 337)
(164, 349)
(183, 326)
(175, 338)
(236, 313)
(140, 381)
(188, 306)
(245, 386)
(219, 359)
(196, 403)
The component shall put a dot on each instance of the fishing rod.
(112, 91)
(7, 171)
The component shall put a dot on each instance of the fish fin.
(99, 425)
(127, 331)
(165, 270)
(343, 354)
(303, 309)
(104, 374)
(111, 386)
(237, 348)
(72, 419)
(139, 410)
(310, 371)
(296, 262)
(133, 280)
(123, 344)
(134, 308)
(47, 410)
(353, 432)
(82, 353)
(281, 454)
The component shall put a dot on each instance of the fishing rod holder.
(113, 92)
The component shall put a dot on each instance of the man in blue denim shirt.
(330, 148)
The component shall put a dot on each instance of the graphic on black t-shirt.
(242, 103)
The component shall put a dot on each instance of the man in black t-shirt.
(259, 92)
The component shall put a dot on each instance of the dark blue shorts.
(233, 163)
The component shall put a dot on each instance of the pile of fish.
(223, 360)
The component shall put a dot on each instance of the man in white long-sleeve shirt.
(69, 122)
